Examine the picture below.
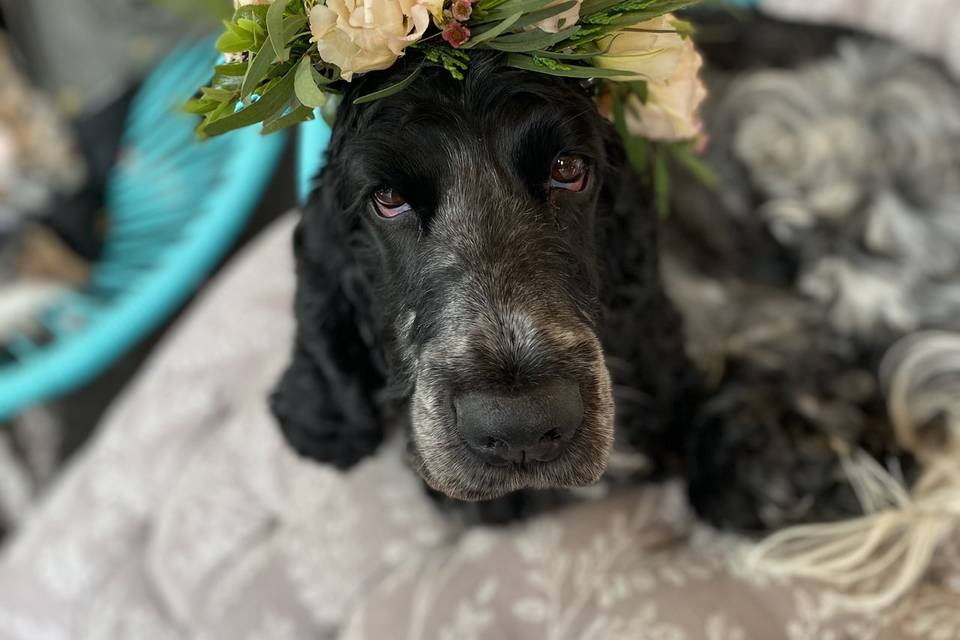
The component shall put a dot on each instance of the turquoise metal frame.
(175, 208)
(311, 153)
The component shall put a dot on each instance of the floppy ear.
(325, 400)
(655, 384)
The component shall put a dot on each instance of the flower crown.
(283, 59)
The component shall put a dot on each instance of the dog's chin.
(459, 474)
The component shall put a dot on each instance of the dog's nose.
(532, 425)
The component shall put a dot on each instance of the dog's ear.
(642, 333)
(325, 401)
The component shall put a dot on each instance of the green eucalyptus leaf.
(685, 29)
(231, 69)
(627, 20)
(635, 146)
(275, 33)
(493, 32)
(274, 99)
(483, 6)
(523, 61)
(329, 111)
(250, 26)
(306, 87)
(559, 55)
(230, 42)
(221, 111)
(511, 7)
(639, 88)
(581, 51)
(296, 116)
(545, 14)
(591, 7)
(689, 160)
(227, 83)
(637, 151)
(530, 40)
(619, 117)
(656, 8)
(254, 12)
(217, 93)
(292, 26)
(257, 70)
(236, 29)
(389, 91)
(200, 105)
(323, 80)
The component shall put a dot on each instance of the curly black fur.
(375, 323)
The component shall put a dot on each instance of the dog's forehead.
(489, 113)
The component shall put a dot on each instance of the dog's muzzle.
(530, 425)
(490, 420)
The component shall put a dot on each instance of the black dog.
(477, 255)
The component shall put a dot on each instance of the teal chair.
(311, 148)
(175, 207)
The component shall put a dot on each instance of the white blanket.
(187, 517)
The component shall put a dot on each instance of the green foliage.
(272, 73)
(481, 35)
(653, 160)
(275, 31)
(306, 87)
(531, 40)
(392, 89)
(507, 9)
(455, 61)
(602, 17)
(277, 94)
(264, 47)
(257, 69)
(295, 116)
(545, 14)
(553, 67)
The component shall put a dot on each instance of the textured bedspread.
(188, 518)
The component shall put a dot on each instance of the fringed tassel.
(874, 560)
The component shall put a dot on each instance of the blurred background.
(89, 95)
(112, 218)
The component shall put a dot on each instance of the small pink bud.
(461, 10)
(456, 34)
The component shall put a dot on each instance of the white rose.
(650, 49)
(672, 110)
(366, 35)
(560, 21)
(671, 66)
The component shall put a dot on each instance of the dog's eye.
(569, 173)
(390, 203)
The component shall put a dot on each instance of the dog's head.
(474, 205)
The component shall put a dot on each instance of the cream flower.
(651, 50)
(242, 3)
(560, 21)
(672, 110)
(367, 35)
(670, 65)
